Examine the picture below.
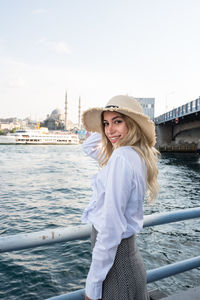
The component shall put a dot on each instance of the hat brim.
(91, 120)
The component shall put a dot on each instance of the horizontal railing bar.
(152, 276)
(42, 238)
(170, 217)
(77, 295)
(63, 234)
(173, 269)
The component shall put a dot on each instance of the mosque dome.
(56, 111)
(56, 114)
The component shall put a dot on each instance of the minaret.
(79, 113)
(66, 111)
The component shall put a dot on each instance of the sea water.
(45, 187)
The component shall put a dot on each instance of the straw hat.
(125, 105)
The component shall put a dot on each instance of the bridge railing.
(36, 239)
(188, 108)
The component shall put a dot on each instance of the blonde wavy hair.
(138, 141)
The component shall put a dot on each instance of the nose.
(110, 129)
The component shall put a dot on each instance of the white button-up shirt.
(115, 209)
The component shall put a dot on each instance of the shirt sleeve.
(117, 193)
(91, 145)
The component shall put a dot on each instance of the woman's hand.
(87, 298)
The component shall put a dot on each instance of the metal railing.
(63, 234)
(47, 237)
(181, 111)
(152, 276)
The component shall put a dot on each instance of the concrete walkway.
(190, 294)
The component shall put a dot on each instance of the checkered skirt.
(126, 279)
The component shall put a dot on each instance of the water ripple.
(46, 187)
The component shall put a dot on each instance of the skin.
(87, 298)
(115, 126)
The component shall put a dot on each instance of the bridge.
(178, 130)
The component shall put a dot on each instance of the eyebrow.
(114, 118)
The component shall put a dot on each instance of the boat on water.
(40, 136)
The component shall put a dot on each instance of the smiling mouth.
(114, 139)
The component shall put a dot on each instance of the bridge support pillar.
(178, 138)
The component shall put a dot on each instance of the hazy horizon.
(96, 50)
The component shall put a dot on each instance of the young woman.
(123, 144)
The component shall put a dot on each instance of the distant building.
(148, 105)
(10, 123)
(56, 121)
(6, 126)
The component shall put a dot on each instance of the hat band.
(109, 106)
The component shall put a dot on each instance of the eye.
(118, 121)
(105, 123)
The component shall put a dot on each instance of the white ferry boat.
(40, 136)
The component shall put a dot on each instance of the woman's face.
(115, 127)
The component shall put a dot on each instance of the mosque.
(58, 120)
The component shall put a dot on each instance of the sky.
(96, 49)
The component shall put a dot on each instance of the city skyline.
(95, 50)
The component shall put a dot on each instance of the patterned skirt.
(126, 279)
